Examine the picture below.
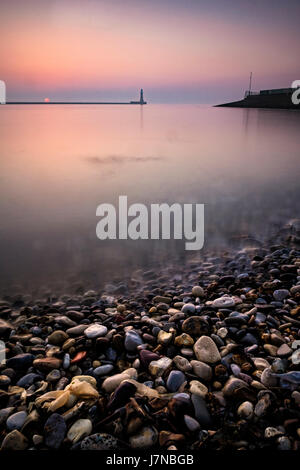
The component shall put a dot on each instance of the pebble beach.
(200, 357)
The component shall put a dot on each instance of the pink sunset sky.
(177, 50)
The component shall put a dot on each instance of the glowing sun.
(46, 100)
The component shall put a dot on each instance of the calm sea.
(59, 162)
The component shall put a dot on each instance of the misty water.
(58, 163)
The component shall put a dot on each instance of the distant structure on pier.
(141, 98)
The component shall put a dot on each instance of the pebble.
(16, 420)
(146, 438)
(164, 337)
(132, 341)
(157, 368)
(224, 302)
(57, 337)
(206, 350)
(188, 308)
(99, 441)
(175, 380)
(111, 383)
(103, 370)
(184, 340)
(191, 423)
(95, 330)
(80, 429)
(182, 364)
(281, 294)
(198, 291)
(55, 431)
(198, 388)
(202, 370)
(246, 410)
(15, 440)
(20, 361)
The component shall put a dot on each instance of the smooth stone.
(99, 441)
(77, 330)
(53, 376)
(65, 321)
(4, 381)
(224, 302)
(198, 291)
(284, 443)
(57, 337)
(206, 350)
(198, 388)
(271, 432)
(103, 370)
(161, 299)
(132, 341)
(202, 370)
(184, 340)
(21, 361)
(47, 363)
(55, 430)
(193, 326)
(245, 410)
(122, 394)
(284, 350)
(147, 356)
(146, 438)
(191, 423)
(66, 361)
(182, 364)
(111, 383)
(5, 413)
(267, 378)
(80, 429)
(157, 368)
(95, 330)
(28, 380)
(37, 439)
(164, 337)
(232, 385)
(222, 332)
(188, 308)
(14, 441)
(16, 420)
(278, 366)
(175, 380)
(280, 294)
(201, 412)
(260, 363)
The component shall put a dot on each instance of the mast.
(250, 83)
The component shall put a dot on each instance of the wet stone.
(55, 431)
(16, 420)
(175, 380)
(206, 350)
(99, 441)
(95, 331)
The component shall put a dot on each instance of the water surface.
(59, 162)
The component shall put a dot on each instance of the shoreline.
(205, 359)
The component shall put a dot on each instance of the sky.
(179, 51)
